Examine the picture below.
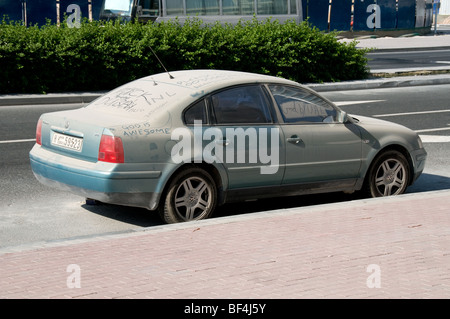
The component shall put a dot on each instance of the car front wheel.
(389, 175)
(192, 195)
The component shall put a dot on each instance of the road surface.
(31, 212)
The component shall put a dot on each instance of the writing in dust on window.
(298, 110)
(137, 100)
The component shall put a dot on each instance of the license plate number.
(66, 141)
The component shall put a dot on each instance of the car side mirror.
(342, 117)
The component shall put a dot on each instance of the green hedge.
(101, 56)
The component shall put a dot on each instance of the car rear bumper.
(136, 185)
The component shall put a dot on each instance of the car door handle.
(224, 142)
(294, 139)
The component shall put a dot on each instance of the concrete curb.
(52, 98)
(401, 81)
(414, 49)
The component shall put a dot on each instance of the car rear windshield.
(140, 98)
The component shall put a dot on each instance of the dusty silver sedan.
(185, 142)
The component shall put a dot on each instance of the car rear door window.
(197, 112)
(241, 105)
(299, 105)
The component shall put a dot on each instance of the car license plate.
(66, 141)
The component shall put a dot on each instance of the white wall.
(445, 7)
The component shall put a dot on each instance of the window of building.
(230, 7)
(272, 7)
(238, 7)
(202, 7)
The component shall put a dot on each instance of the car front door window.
(301, 106)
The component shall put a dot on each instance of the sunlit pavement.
(376, 248)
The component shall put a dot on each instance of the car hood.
(383, 133)
(370, 121)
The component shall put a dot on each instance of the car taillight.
(39, 132)
(111, 149)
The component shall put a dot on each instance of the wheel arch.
(217, 173)
(392, 147)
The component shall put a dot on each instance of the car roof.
(174, 90)
(213, 78)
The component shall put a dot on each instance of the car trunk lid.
(77, 133)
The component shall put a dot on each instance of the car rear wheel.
(192, 195)
(389, 175)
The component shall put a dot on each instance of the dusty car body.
(183, 143)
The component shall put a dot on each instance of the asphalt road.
(429, 59)
(410, 59)
(31, 212)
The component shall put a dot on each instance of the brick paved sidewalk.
(374, 248)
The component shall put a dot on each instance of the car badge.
(67, 124)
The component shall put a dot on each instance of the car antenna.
(171, 77)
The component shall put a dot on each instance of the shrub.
(104, 55)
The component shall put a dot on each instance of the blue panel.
(360, 15)
(305, 8)
(436, 4)
(40, 10)
(96, 8)
(318, 13)
(12, 9)
(341, 15)
(388, 14)
(406, 14)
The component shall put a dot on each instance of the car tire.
(192, 195)
(388, 175)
